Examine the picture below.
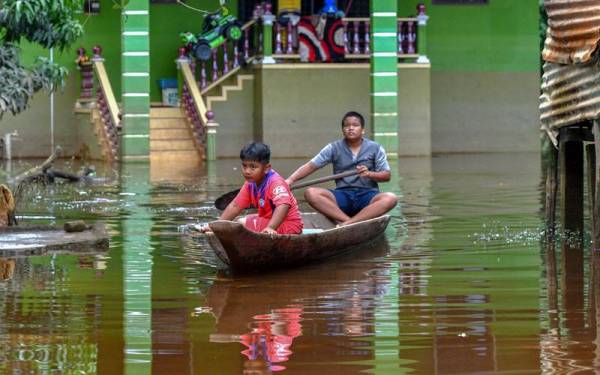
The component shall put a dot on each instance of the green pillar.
(422, 34)
(384, 74)
(137, 268)
(135, 80)
(387, 326)
(268, 19)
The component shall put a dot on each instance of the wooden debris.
(7, 207)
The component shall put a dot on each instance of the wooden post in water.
(571, 181)
(551, 189)
(590, 156)
(571, 195)
(596, 203)
(594, 285)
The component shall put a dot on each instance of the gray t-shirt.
(371, 155)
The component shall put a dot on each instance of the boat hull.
(246, 251)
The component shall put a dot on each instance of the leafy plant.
(49, 23)
(543, 23)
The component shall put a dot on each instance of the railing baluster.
(401, 37)
(367, 50)
(412, 37)
(246, 44)
(260, 40)
(290, 49)
(225, 59)
(346, 39)
(203, 82)
(356, 41)
(278, 49)
(236, 55)
(215, 65)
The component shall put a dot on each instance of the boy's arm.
(301, 172)
(278, 217)
(324, 157)
(231, 211)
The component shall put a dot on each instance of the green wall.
(166, 22)
(499, 37)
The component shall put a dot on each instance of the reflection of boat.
(243, 250)
(236, 301)
(267, 314)
(36, 240)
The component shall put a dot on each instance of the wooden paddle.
(223, 201)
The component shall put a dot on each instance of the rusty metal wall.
(570, 93)
(571, 79)
(573, 30)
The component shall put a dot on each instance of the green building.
(467, 80)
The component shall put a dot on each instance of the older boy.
(267, 190)
(355, 198)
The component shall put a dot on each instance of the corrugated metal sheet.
(570, 93)
(573, 30)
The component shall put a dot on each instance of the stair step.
(169, 133)
(166, 112)
(185, 144)
(171, 160)
(169, 123)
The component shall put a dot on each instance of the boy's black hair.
(360, 118)
(256, 151)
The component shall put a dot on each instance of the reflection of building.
(43, 329)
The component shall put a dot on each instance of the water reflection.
(569, 344)
(137, 266)
(42, 328)
(328, 304)
(462, 284)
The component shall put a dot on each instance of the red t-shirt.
(272, 192)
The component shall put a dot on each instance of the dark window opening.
(459, 2)
(355, 8)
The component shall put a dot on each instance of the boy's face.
(254, 171)
(352, 129)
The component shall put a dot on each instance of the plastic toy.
(217, 28)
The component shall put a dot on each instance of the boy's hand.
(363, 171)
(269, 230)
(200, 227)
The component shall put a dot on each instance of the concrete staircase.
(170, 136)
(236, 85)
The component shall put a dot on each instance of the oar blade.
(223, 201)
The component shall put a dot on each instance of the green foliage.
(49, 23)
(543, 23)
(542, 30)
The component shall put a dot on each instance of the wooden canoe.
(245, 251)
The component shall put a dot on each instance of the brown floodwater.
(462, 282)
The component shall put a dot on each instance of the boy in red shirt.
(267, 190)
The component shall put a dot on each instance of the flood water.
(461, 284)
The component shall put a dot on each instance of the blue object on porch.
(167, 83)
(330, 7)
(168, 87)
